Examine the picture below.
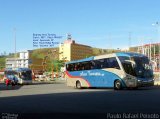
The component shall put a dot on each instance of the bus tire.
(135, 88)
(117, 85)
(78, 85)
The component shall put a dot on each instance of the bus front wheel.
(78, 85)
(117, 85)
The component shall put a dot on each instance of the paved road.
(57, 100)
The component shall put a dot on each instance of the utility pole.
(150, 49)
(14, 30)
(15, 41)
(130, 42)
(154, 51)
(143, 52)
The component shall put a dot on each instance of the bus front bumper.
(145, 83)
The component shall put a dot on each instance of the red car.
(9, 82)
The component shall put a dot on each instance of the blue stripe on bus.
(98, 78)
(129, 54)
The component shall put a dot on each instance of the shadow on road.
(126, 89)
(84, 104)
(16, 87)
(3, 87)
(46, 82)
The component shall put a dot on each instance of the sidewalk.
(157, 83)
(49, 81)
(56, 81)
(1, 81)
(157, 78)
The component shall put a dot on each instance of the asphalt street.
(60, 101)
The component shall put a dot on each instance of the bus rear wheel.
(78, 85)
(117, 85)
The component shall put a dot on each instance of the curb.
(157, 83)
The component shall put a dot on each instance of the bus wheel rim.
(118, 85)
(78, 85)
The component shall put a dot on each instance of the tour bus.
(117, 70)
(19, 75)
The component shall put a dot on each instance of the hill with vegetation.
(3, 59)
(99, 51)
(48, 57)
(44, 58)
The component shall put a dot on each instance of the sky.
(97, 23)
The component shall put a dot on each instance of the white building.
(22, 62)
(11, 62)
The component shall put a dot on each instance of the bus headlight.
(122, 76)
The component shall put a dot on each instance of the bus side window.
(111, 63)
(92, 65)
(79, 66)
(68, 67)
(87, 66)
(72, 67)
(76, 67)
(106, 63)
(102, 63)
(19, 75)
(99, 64)
(82, 66)
(96, 64)
(114, 63)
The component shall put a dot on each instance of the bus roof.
(128, 54)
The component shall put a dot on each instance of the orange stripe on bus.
(70, 76)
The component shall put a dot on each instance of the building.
(24, 59)
(22, 62)
(150, 50)
(70, 50)
(11, 62)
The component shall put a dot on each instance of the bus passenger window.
(75, 67)
(80, 66)
(115, 65)
(67, 67)
(87, 65)
(97, 64)
(112, 63)
(72, 67)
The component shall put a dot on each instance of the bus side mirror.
(130, 61)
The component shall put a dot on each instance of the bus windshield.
(22, 74)
(26, 75)
(137, 66)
